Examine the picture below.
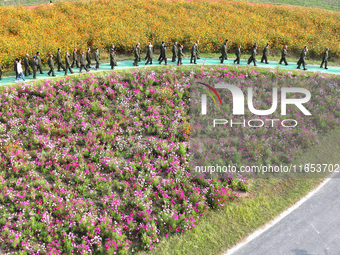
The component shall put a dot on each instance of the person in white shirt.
(19, 70)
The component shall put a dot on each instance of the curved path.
(313, 228)
(211, 61)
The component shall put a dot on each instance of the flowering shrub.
(101, 164)
(124, 23)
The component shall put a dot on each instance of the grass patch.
(332, 5)
(223, 229)
(30, 2)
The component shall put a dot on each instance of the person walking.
(75, 61)
(283, 55)
(88, 58)
(67, 63)
(137, 55)
(226, 50)
(238, 55)
(253, 56)
(149, 53)
(180, 55)
(60, 61)
(113, 61)
(265, 54)
(82, 62)
(174, 52)
(39, 63)
(302, 58)
(161, 50)
(138, 52)
(27, 65)
(193, 53)
(325, 58)
(197, 50)
(33, 64)
(96, 58)
(50, 63)
(163, 54)
(223, 52)
(19, 70)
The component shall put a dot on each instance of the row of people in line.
(36, 64)
(177, 53)
(265, 54)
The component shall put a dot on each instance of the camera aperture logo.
(238, 105)
(204, 97)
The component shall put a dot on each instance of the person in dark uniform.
(27, 65)
(226, 50)
(15, 68)
(253, 56)
(325, 58)
(223, 52)
(193, 53)
(82, 62)
(174, 52)
(197, 50)
(265, 54)
(137, 55)
(75, 59)
(33, 64)
(88, 58)
(180, 55)
(67, 63)
(39, 63)
(160, 51)
(163, 54)
(302, 58)
(238, 55)
(149, 53)
(60, 61)
(96, 58)
(283, 55)
(50, 63)
(113, 61)
(138, 52)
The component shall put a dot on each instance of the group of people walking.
(84, 60)
(34, 65)
(265, 54)
(177, 53)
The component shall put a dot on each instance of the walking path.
(310, 229)
(203, 61)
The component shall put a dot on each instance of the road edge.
(278, 218)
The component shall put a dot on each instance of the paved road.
(186, 61)
(312, 229)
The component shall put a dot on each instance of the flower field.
(99, 165)
(124, 23)
(274, 143)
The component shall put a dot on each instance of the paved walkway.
(312, 229)
(211, 61)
